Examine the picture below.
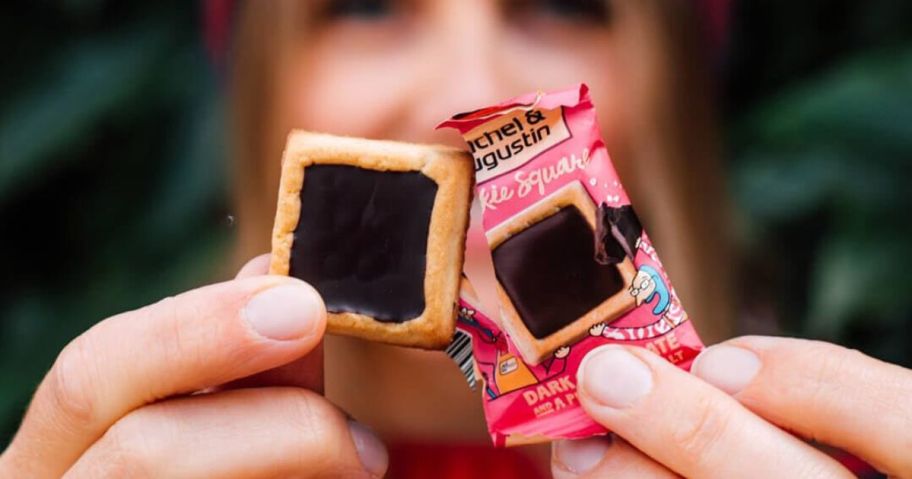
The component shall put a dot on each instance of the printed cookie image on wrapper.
(552, 291)
(378, 228)
(557, 264)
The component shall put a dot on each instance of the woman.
(224, 381)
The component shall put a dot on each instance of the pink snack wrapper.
(556, 265)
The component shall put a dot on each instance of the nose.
(460, 70)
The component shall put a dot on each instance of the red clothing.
(414, 461)
(419, 461)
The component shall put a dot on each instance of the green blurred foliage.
(113, 181)
(820, 131)
(112, 174)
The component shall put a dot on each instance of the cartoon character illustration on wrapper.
(467, 316)
(648, 286)
(511, 373)
(508, 372)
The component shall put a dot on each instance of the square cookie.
(552, 288)
(378, 228)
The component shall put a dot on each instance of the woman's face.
(395, 68)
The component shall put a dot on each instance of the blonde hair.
(674, 146)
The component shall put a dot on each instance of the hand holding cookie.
(217, 366)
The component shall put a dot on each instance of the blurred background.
(113, 181)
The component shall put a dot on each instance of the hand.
(562, 352)
(155, 393)
(729, 418)
(597, 329)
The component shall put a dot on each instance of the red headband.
(715, 15)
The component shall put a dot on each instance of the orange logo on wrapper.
(512, 374)
(509, 142)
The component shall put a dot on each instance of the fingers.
(198, 339)
(306, 372)
(603, 457)
(252, 433)
(687, 425)
(258, 266)
(825, 392)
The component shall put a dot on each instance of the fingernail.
(371, 451)
(288, 311)
(728, 368)
(581, 456)
(614, 377)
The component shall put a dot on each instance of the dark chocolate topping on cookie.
(361, 239)
(617, 234)
(549, 272)
(607, 249)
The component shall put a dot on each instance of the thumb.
(305, 372)
(256, 267)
